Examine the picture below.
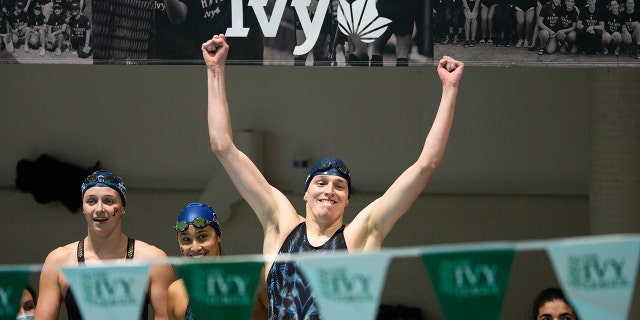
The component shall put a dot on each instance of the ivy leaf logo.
(361, 18)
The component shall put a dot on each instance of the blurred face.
(199, 242)
(57, 11)
(556, 310)
(327, 197)
(614, 6)
(591, 3)
(630, 5)
(569, 3)
(27, 305)
(102, 207)
(556, 3)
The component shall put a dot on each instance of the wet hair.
(548, 295)
(33, 293)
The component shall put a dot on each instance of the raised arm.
(375, 222)
(270, 205)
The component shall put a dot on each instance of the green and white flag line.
(597, 273)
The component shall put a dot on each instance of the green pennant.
(226, 290)
(470, 284)
(12, 284)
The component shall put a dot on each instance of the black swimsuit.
(72, 308)
(289, 294)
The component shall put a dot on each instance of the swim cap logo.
(340, 285)
(593, 272)
(361, 18)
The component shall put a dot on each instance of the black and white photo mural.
(565, 33)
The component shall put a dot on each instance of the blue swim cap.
(199, 210)
(104, 178)
(329, 167)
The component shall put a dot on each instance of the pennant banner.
(477, 280)
(598, 274)
(12, 284)
(598, 277)
(224, 289)
(347, 287)
(108, 292)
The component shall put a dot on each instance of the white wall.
(517, 130)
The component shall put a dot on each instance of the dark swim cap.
(199, 210)
(104, 178)
(329, 167)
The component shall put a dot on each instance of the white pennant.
(108, 293)
(346, 287)
(598, 276)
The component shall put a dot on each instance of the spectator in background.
(56, 30)
(566, 34)
(37, 27)
(613, 25)
(551, 304)
(403, 17)
(80, 28)
(27, 304)
(525, 21)
(19, 26)
(631, 32)
(504, 20)
(548, 23)
(470, 10)
(589, 28)
(487, 12)
(5, 36)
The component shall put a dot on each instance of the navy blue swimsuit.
(70, 303)
(289, 295)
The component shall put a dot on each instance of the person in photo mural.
(589, 28)
(613, 25)
(56, 30)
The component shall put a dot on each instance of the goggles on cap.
(106, 178)
(112, 181)
(327, 165)
(198, 222)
